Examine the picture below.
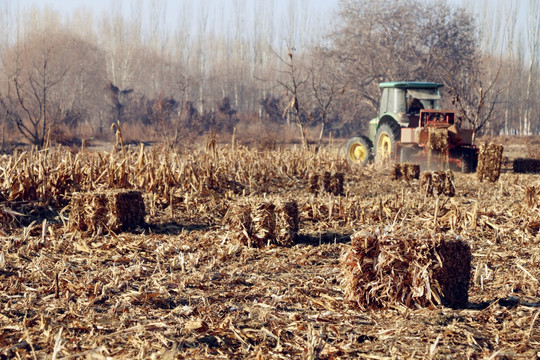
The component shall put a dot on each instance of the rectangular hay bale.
(261, 224)
(326, 182)
(489, 162)
(111, 210)
(437, 139)
(437, 183)
(404, 269)
(526, 166)
(405, 171)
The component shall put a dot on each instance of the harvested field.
(184, 285)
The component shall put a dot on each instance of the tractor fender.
(388, 119)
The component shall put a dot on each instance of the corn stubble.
(362, 268)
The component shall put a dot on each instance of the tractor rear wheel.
(388, 134)
(359, 149)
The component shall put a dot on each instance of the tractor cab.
(402, 102)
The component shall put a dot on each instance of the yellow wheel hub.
(384, 145)
(357, 152)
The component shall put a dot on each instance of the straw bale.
(326, 179)
(287, 219)
(336, 184)
(489, 162)
(405, 171)
(326, 182)
(111, 210)
(453, 275)
(437, 139)
(437, 183)
(262, 224)
(406, 269)
(238, 219)
(526, 166)
(313, 183)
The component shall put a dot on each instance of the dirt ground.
(182, 286)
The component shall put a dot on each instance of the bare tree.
(534, 46)
(325, 87)
(294, 84)
(33, 72)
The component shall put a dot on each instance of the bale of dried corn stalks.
(489, 162)
(405, 171)
(102, 212)
(406, 269)
(437, 139)
(526, 166)
(437, 183)
(262, 224)
(326, 182)
(287, 219)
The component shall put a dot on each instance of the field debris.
(532, 196)
(102, 212)
(185, 286)
(436, 183)
(489, 162)
(526, 166)
(405, 171)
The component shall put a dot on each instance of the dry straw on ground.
(186, 288)
(489, 162)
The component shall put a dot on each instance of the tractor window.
(384, 101)
(399, 101)
(391, 100)
(429, 98)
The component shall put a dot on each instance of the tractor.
(412, 127)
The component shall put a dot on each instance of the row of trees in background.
(74, 78)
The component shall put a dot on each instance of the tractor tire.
(388, 134)
(468, 161)
(359, 150)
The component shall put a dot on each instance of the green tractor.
(411, 126)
